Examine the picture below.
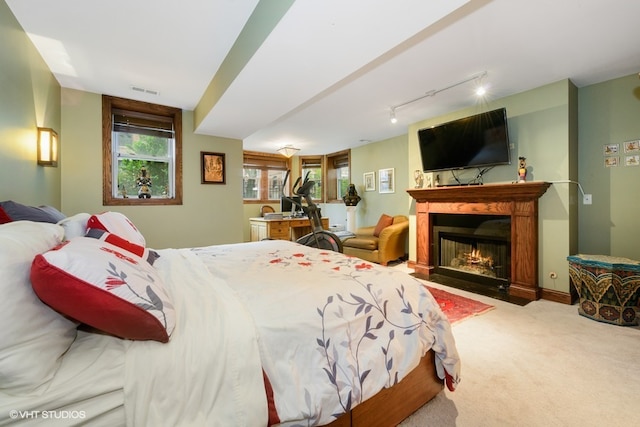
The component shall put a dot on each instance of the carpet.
(458, 308)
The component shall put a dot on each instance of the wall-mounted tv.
(477, 141)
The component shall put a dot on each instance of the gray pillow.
(13, 211)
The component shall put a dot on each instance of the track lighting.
(479, 91)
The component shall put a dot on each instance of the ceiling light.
(434, 92)
(481, 91)
(288, 151)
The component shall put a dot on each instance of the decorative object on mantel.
(522, 169)
(418, 177)
(351, 198)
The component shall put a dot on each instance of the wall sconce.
(47, 147)
(288, 151)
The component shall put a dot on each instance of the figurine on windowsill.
(144, 183)
(522, 169)
(351, 198)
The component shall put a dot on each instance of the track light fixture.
(479, 91)
(393, 116)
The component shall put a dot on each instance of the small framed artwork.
(386, 180)
(369, 179)
(610, 162)
(213, 168)
(611, 149)
(632, 160)
(632, 146)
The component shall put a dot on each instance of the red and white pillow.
(118, 224)
(148, 255)
(106, 287)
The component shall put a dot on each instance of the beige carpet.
(539, 365)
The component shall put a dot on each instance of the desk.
(281, 229)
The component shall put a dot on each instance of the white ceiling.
(324, 78)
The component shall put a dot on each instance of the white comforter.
(332, 330)
(209, 373)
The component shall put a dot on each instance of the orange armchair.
(388, 245)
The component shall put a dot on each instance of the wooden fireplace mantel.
(519, 201)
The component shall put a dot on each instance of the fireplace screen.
(464, 254)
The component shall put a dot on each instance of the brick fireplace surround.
(519, 201)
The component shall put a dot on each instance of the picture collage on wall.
(631, 154)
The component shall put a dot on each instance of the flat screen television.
(477, 141)
(287, 206)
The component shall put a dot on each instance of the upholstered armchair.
(381, 243)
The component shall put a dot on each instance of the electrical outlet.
(587, 199)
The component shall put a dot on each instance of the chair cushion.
(384, 221)
(362, 242)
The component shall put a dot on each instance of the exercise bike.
(319, 237)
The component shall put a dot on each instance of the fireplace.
(518, 202)
(473, 247)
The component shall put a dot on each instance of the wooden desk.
(281, 229)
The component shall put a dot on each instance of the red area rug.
(456, 307)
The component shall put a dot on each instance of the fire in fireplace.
(474, 249)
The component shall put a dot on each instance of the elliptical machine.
(319, 237)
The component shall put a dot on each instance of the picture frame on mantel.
(213, 168)
(386, 180)
(369, 179)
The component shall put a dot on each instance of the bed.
(249, 334)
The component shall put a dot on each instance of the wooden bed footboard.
(392, 405)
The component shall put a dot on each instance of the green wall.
(389, 153)
(29, 98)
(609, 113)
(210, 214)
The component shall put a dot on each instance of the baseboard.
(557, 296)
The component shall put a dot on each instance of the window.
(311, 168)
(338, 175)
(263, 177)
(142, 153)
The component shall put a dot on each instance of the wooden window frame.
(108, 104)
(333, 162)
(265, 162)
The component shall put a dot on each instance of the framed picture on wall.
(386, 180)
(632, 160)
(610, 162)
(611, 149)
(213, 168)
(369, 179)
(632, 147)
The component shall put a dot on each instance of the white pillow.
(75, 225)
(33, 337)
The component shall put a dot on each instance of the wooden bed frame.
(392, 405)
